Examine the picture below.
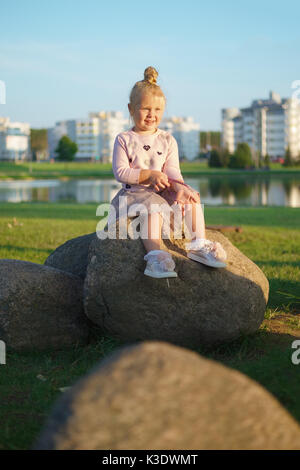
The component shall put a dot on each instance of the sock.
(155, 253)
(196, 244)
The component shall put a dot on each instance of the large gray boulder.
(203, 306)
(157, 396)
(72, 255)
(40, 307)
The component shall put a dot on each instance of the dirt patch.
(285, 327)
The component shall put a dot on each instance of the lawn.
(31, 170)
(270, 237)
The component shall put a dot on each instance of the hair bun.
(150, 75)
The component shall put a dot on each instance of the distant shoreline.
(69, 170)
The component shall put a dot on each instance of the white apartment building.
(110, 125)
(87, 139)
(94, 136)
(186, 133)
(14, 140)
(269, 126)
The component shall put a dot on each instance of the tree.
(66, 149)
(215, 139)
(225, 157)
(38, 143)
(242, 157)
(288, 161)
(259, 159)
(214, 159)
(210, 139)
(267, 160)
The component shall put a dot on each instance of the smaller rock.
(40, 307)
(72, 255)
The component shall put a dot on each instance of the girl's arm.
(120, 164)
(171, 167)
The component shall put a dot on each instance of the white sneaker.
(159, 264)
(207, 252)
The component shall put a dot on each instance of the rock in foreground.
(157, 396)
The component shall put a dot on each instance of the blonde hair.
(148, 85)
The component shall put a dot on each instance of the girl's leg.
(194, 220)
(154, 232)
(216, 255)
(159, 262)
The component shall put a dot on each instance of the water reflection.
(214, 190)
(243, 191)
(81, 191)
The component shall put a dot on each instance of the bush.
(215, 159)
(288, 161)
(225, 157)
(242, 157)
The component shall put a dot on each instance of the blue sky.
(64, 58)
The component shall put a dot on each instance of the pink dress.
(135, 152)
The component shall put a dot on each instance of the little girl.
(146, 162)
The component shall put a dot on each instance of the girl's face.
(148, 113)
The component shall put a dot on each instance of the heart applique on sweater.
(146, 147)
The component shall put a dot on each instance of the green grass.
(270, 237)
(96, 170)
(54, 170)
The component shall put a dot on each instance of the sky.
(62, 59)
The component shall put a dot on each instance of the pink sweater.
(135, 152)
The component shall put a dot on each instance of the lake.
(215, 190)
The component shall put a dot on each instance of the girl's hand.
(187, 196)
(158, 180)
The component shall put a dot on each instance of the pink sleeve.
(171, 166)
(121, 168)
